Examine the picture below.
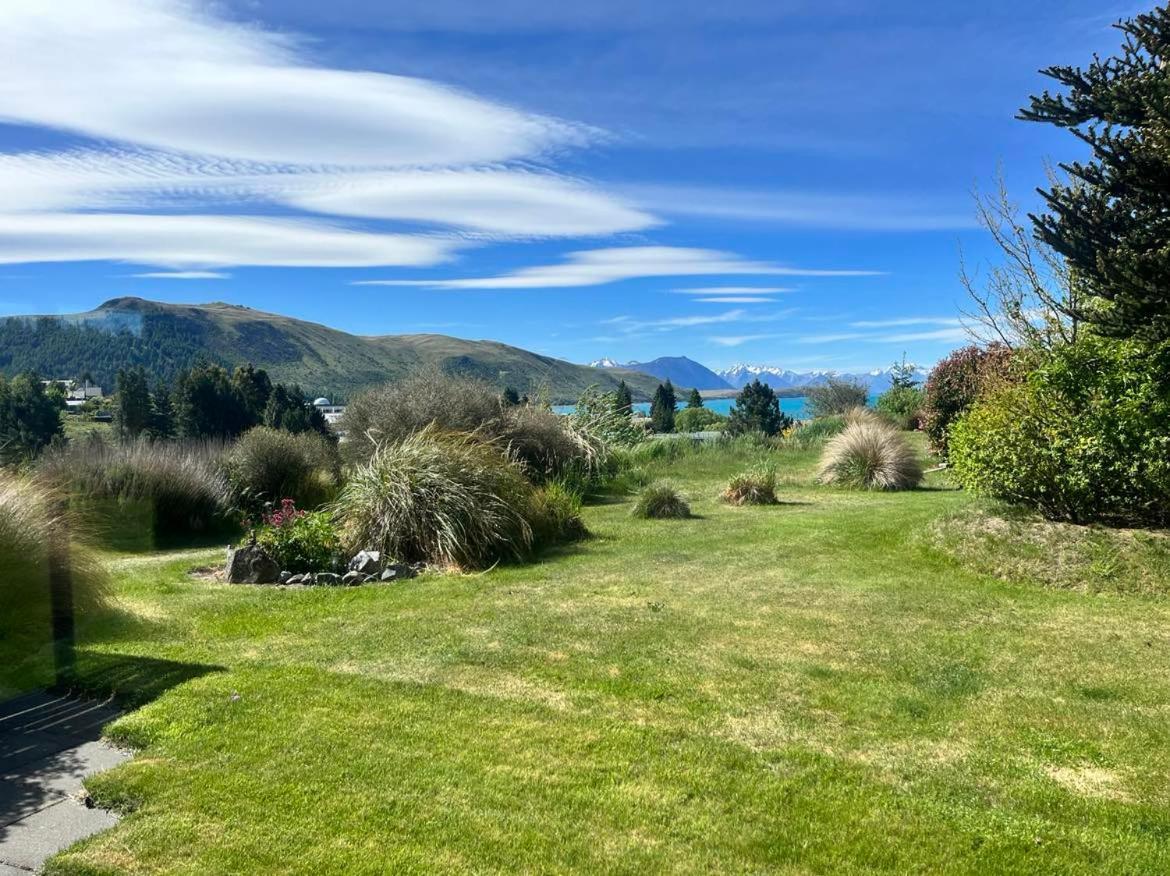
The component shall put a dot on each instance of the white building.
(75, 395)
(331, 411)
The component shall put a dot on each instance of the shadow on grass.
(126, 680)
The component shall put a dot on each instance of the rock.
(366, 562)
(352, 578)
(370, 579)
(296, 579)
(284, 577)
(398, 572)
(251, 564)
(326, 578)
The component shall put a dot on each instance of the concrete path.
(48, 745)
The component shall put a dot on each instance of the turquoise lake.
(794, 407)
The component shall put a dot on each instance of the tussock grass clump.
(181, 484)
(661, 501)
(870, 455)
(814, 433)
(269, 465)
(439, 497)
(549, 447)
(756, 486)
(556, 515)
(37, 534)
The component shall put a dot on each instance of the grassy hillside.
(165, 338)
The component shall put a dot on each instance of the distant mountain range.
(166, 338)
(679, 370)
(682, 371)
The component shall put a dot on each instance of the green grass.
(811, 687)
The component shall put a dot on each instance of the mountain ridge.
(165, 338)
(679, 370)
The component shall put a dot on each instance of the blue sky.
(784, 182)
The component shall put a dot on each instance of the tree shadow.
(47, 737)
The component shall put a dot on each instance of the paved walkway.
(48, 745)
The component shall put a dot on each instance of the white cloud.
(734, 290)
(848, 212)
(165, 74)
(906, 321)
(597, 267)
(206, 241)
(738, 340)
(736, 299)
(183, 275)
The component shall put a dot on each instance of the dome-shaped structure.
(322, 402)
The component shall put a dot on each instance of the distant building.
(331, 412)
(75, 395)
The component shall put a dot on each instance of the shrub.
(35, 536)
(300, 541)
(953, 386)
(871, 456)
(757, 410)
(268, 465)
(754, 487)
(556, 515)
(1085, 438)
(441, 497)
(835, 396)
(661, 501)
(606, 415)
(180, 485)
(813, 433)
(698, 420)
(902, 406)
(30, 416)
(391, 413)
(547, 446)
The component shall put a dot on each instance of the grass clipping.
(870, 455)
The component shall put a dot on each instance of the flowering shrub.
(300, 541)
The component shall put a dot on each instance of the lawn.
(816, 686)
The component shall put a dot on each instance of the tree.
(288, 409)
(162, 413)
(625, 399)
(694, 400)
(954, 385)
(207, 406)
(133, 409)
(30, 416)
(1109, 219)
(757, 409)
(510, 397)
(836, 396)
(252, 388)
(903, 375)
(662, 408)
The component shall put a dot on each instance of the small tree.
(625, 399)
(694, 400)
(662, 408)
(757, 409)
(836, 396)
(30, 416)
(162, 413)
(510, 398)
(132, 414)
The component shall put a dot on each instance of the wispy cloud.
(734, 290)
(597, 267)
(736, 299)
(949, 334)
(182, 275)
(891, 212)
(906, 321)
(739, 340)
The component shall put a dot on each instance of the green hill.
(166, 338)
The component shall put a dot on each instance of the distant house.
(75, 395)
(331, 412)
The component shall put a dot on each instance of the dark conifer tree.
(757, 410)
(1110, 219)
(662, 408)
(162, 413)
(694, 400)
(625, 399)
(133, 408)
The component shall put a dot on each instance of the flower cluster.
(287, 513)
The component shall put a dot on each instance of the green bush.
(661, 501)
(835, 396)
(556, 515)
(180, 487)
(756, 486)
(953, 386)
(698, 420)
(36, 533)
(440, 497)
(301, 541)
(1085, 438)
(548, 447)
(268, 465)
(870, 455)
(902, 406)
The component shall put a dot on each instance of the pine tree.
(132, 414)
(757, 409)
(625, 399)
(902, 375)
(694, 400)
(162, 413)
(1109, 220)
(662, 408)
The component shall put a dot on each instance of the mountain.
(166, 338)
(679, 370)
(877, 381)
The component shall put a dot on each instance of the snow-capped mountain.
(877, 381)
(679, 370)
(605, 363)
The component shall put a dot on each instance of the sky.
(780, 182)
